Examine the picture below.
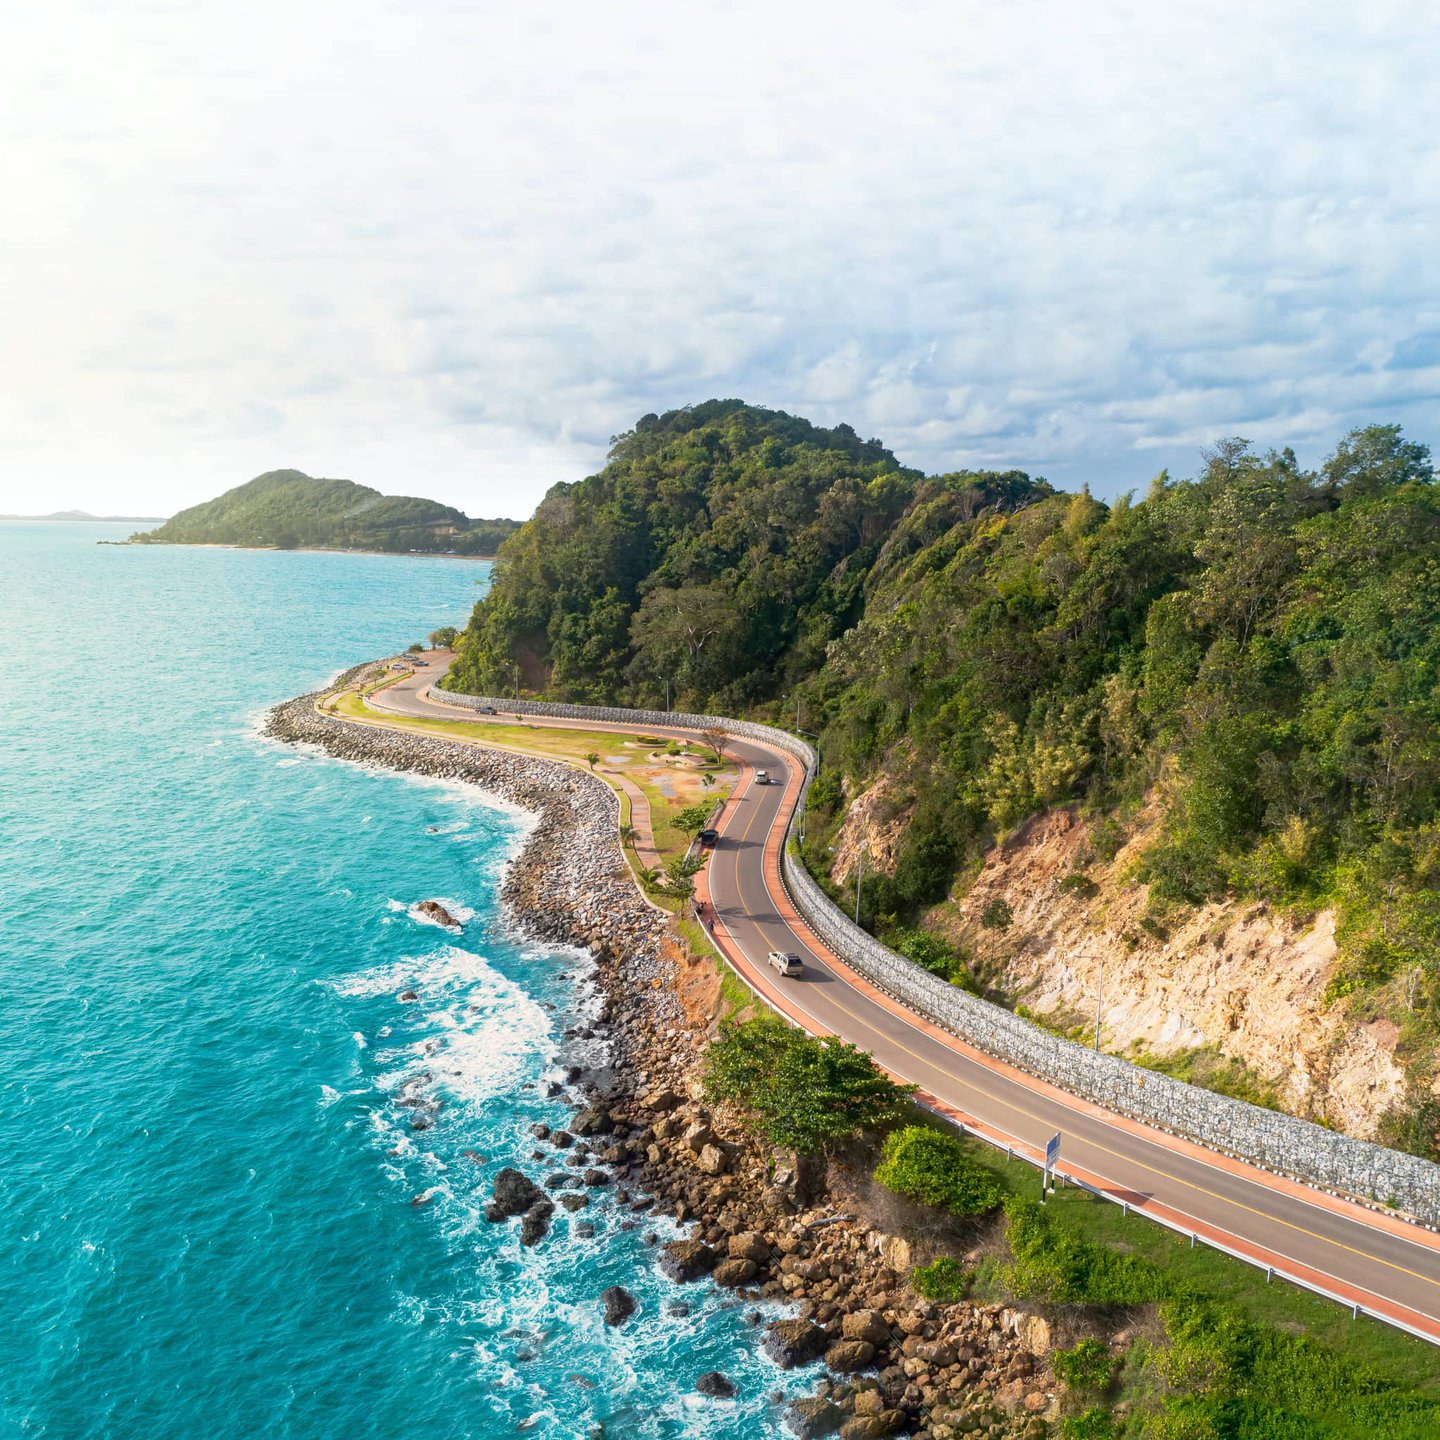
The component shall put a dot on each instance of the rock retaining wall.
(570, 884)
(1267, 1138)
(760, 1225)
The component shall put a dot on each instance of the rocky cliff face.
(874, 825)
(1231, 987)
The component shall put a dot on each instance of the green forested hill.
(1262, 638)
(721, 549)
(1259, 646)
(1260, 641)
(288, 509)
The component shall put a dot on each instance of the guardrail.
(1267, 1139)
(1018, 1150)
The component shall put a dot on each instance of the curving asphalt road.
(1385, 1265)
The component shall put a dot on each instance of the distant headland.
(289, 510)
(83, 515)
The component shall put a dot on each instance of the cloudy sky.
(451, 248)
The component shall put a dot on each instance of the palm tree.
(593, 758)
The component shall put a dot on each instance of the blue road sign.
(1052, 1151)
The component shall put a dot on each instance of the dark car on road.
(708, 837)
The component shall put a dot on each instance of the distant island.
(86, 515)
(289, 510)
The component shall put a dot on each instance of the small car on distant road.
(487, 710)
(762, 777)
(708, 838)
(785, 962)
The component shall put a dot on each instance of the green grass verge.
(739, 999)
(541, 740)
(566, 744)
(1387, 1353)
(385, 681)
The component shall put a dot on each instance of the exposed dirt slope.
(1237, 982)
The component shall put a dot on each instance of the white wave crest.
(475, 1031)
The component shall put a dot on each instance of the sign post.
(1052, 1154)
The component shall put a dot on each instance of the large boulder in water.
(593, 1121)
(685, 1260)
(794, 1342)
(514, 1195)
(536, 1222)
(434, 910)
(619, 1304)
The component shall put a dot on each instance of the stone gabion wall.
(1267, 1138)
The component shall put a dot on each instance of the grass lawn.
(533, 739)
(392, 677)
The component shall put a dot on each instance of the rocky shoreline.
(761, 1224)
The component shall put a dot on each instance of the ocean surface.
(217, 1220)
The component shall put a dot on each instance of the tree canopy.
(288, 509)
(716, 555)
(797, 1091)
(1256, 647)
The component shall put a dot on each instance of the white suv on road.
(762, 777)
(785, 963)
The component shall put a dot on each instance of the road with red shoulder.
(1366, 1257)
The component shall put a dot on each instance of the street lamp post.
(811, 735)
(807, 735)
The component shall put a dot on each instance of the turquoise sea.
(208, 1194)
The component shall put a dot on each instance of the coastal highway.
(1377, 1261)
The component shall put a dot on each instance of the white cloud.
(451, 248)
